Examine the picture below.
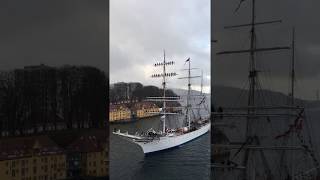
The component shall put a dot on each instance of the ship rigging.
(152, 140)
(263, 153)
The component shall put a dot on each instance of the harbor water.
(187, 162)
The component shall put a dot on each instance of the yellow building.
(31, 158)
(40, 158)
(88, 157)
(118, 112)
(146, 109)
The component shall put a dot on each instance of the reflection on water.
(189, 161)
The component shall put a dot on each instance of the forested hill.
(139, 93)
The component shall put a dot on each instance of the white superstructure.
(168, 141)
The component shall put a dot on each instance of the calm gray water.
(189, 161)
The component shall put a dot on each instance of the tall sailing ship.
(195, 125)
(266, 141)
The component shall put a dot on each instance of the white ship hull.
(168, 142)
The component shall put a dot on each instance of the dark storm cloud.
(53, 33)
(274, 67)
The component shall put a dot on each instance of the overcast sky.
(76, 32)
(53, 33)
(231, 70)
(141, 29)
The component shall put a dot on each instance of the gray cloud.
(140, 30)
(53, 33)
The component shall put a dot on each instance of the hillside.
(230, 96)
(140, 93)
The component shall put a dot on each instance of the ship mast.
(252, 146)
(189, 77)
(252, 63)
(164, 92)
(164, 98)
(189, 94)
(292, 67)
(201, 94)
(252, 82)
(251, 137)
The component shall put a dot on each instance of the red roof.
(116, 107)
(86, 143)
(144, 105)
(18, 147)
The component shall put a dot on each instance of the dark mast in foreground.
(262, 153)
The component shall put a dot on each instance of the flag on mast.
(187, 60)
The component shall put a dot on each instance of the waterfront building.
(145, 109)
(119, 112)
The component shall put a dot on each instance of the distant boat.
(196, 126)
